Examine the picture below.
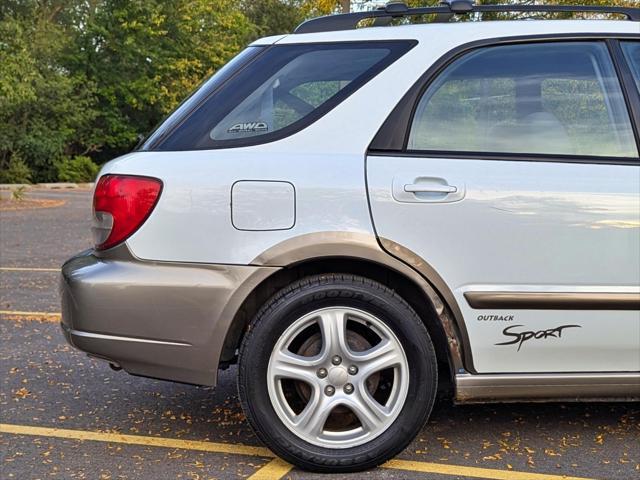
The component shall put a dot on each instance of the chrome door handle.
(429, 188)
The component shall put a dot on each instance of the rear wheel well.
(404, 286)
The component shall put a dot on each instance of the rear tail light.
(121, 204)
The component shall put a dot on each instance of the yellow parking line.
(475, 472)
(136, 440)
(28, 269)
(275, 469)
(31, 315)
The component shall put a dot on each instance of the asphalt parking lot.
(63, 415)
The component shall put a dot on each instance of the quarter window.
(545, 98)
(280, 91)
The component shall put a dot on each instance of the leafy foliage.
(78, 169)
(82, 77)
(17, 194)
(145, 56)
(15, 171)
(87, 78)
(45, 110)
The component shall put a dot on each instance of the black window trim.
(628, 82)
(145, 144)
(299, 125)
(392, 138)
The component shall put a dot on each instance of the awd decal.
(245, 127)
(521, 337)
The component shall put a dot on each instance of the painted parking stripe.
(473, 472)
(274, 469)
(31, 315)
(28, 269)
(211, 447)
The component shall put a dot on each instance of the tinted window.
(282, 90)
(543, 98)
(632, 52)
(201, 93)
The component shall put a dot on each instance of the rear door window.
(632, 52)
(281, 91)
(560, 98)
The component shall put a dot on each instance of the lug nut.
(329, 390)
(336, 360)
(322, 372)
(352, 370)
(348, 388)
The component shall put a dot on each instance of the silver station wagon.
(365, 218)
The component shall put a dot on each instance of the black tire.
(332, 290)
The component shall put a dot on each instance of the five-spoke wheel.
(337, 373)
(338, 377)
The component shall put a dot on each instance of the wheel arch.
(357, 254)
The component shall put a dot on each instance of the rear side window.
(199, 95)
(632, 52)
(542, 98)
(279, 92)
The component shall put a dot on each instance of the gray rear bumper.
(158, 320)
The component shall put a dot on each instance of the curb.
(46, 186)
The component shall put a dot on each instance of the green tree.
(274, 17)
(85, 78)
(45, 109)
(79, 169)
(145, 56)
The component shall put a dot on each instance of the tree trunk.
(345, 5)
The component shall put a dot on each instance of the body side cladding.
(532, 387)
(553, 300)
(365, 247)
(451, 318)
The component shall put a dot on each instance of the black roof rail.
(447, 9)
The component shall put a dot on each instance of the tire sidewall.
(269, 325)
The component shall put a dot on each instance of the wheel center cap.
(338, 376)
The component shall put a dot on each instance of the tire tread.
(289, 451)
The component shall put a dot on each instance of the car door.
(518, 184)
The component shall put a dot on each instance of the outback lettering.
(521, 337)
(495, 318)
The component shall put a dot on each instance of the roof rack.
(446, 10)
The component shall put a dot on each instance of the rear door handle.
(429, 188)
(412, 188)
